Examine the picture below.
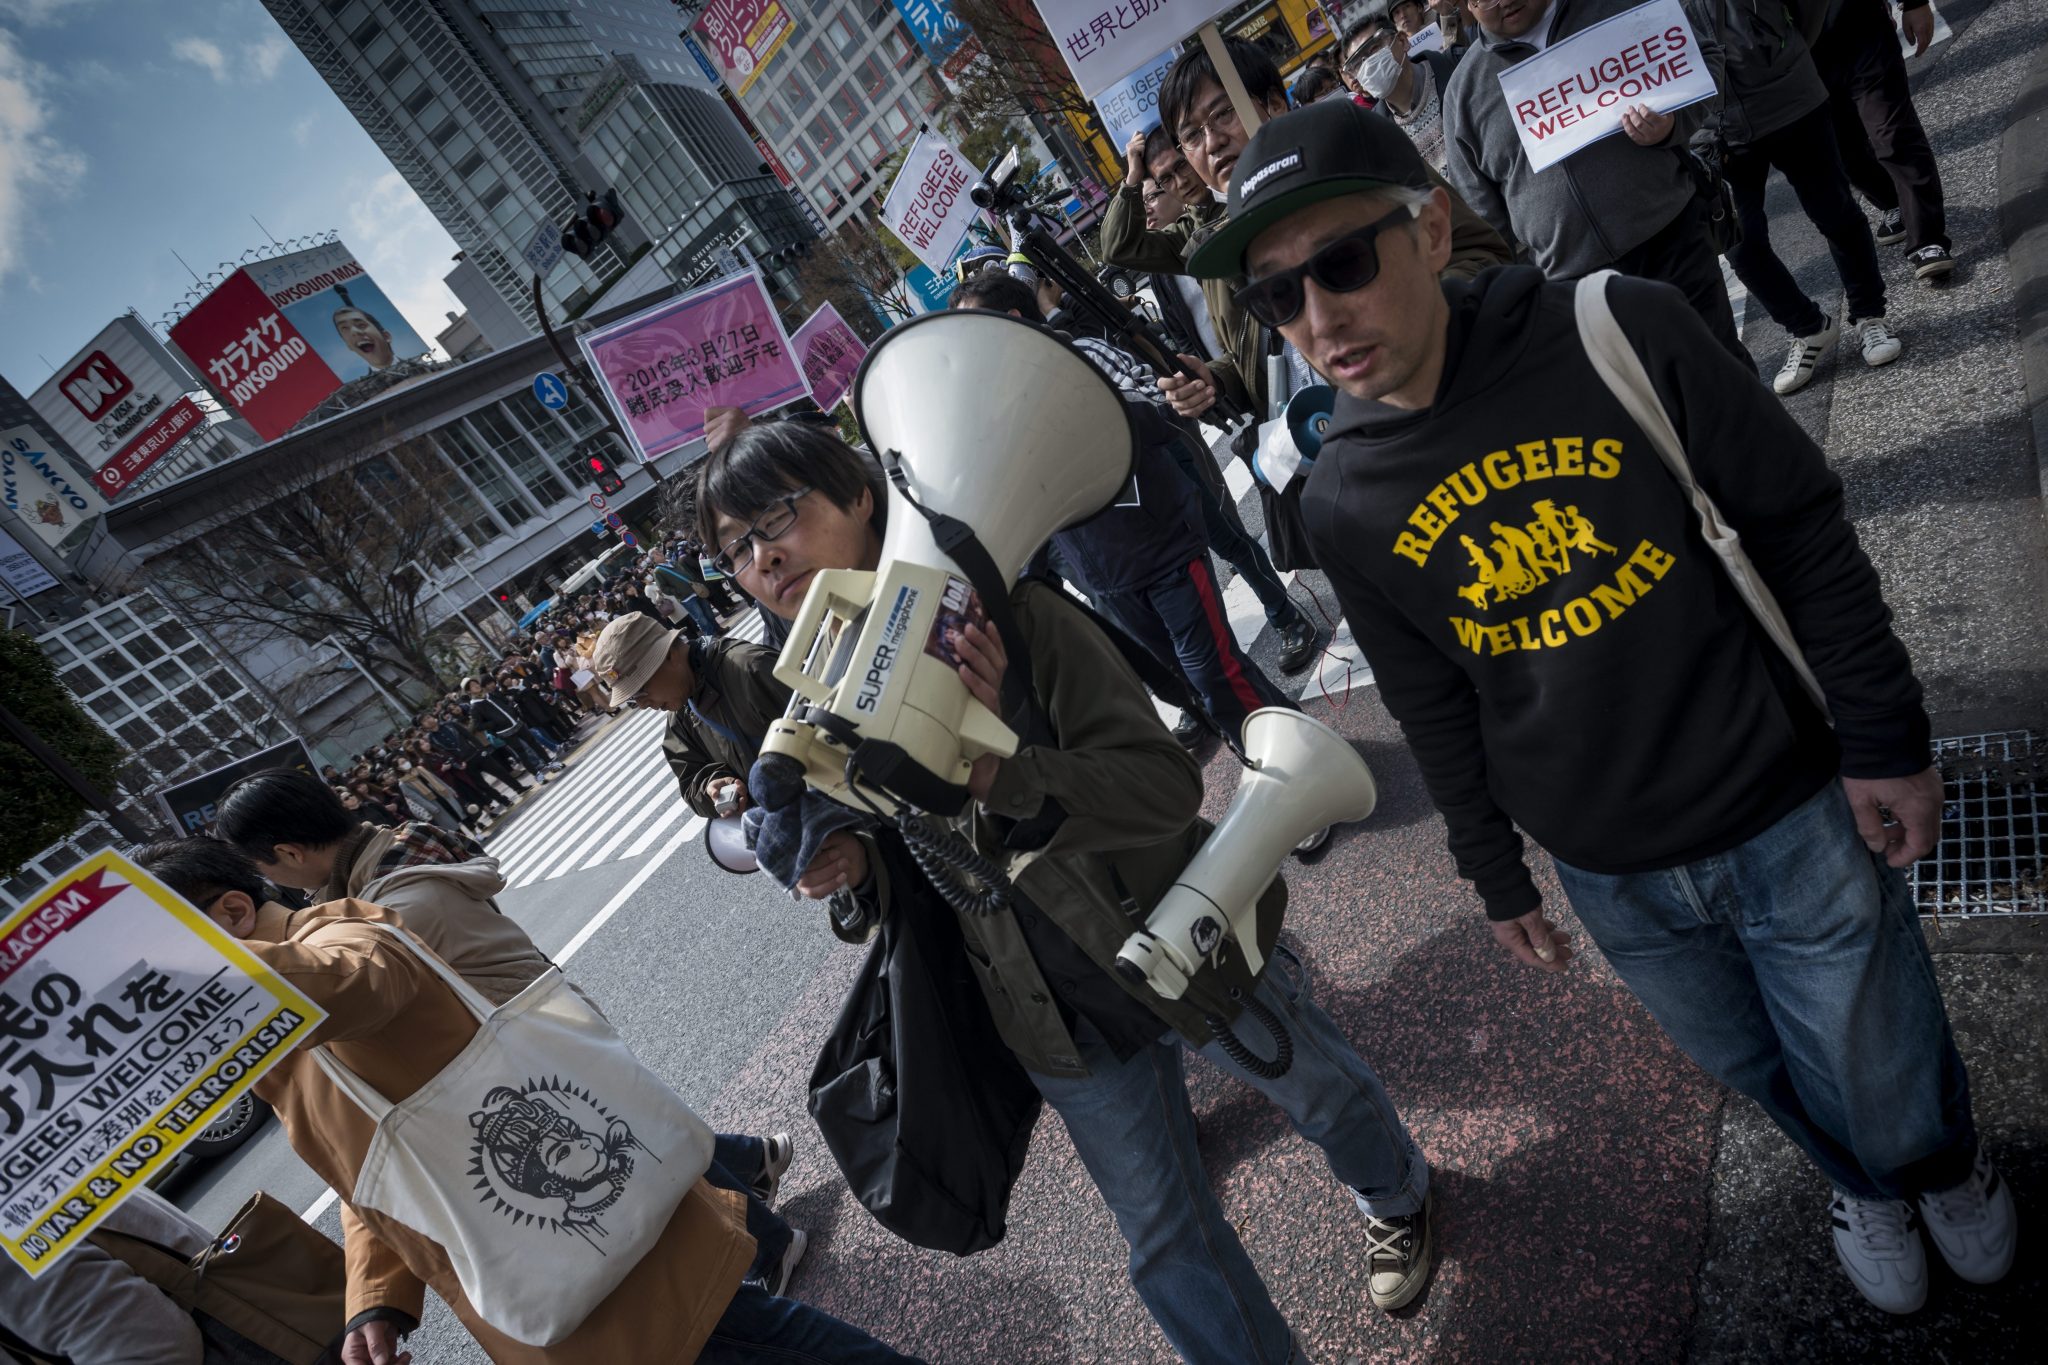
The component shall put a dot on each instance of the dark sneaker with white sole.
(1878, 1243)
(1891, 227)
(776, 1280)
(1298, 643)
(769, 1182)
(1930, 262)
(1398, 1253)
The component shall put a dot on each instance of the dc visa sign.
(120, 403)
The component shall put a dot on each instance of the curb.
(2023, 224)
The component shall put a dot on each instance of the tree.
(1030, 78)
(328, 557)
(860, 269)
(42, 808)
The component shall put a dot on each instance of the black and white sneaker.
(780, 1150)
(1973, 1226)
(1891, 227)
(1930, 262)
(1805, 356)
(1398, 1254)
(776, 1279)
(1878, 1243)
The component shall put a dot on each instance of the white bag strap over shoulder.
(1614, 358)
(366, 1096)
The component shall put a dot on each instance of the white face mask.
(1382, 71)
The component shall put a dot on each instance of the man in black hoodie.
(1563, 651)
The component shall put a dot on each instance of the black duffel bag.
(919, 1100)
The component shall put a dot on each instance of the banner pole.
(1233, 84)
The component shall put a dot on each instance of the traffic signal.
(583, 233)
(608, 480)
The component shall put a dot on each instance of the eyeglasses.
(1220, 118)
(1348, 264)
(770, 525)
(1355, 63)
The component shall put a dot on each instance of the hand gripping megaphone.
(1301, 775)
(996, 433)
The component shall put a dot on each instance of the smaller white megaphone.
(868, 656)
(1301, 776)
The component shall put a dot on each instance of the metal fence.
(1993, 855)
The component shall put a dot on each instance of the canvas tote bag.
(1621, 369)
(545, 1159)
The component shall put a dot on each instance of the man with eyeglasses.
(1628, 202)
(1408, 87)
(1565, 653)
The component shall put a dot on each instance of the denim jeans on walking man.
(1135, 1131)
(1234, 545)
(760, 1329)
(1792, 968)
(736, 1164)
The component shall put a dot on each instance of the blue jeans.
(759, 1329)
(700, 612)
(1135, 1132)
(736, 1163)
(1792, 968)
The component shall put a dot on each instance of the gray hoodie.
(1585, 212)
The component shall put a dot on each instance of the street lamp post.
(398, 711)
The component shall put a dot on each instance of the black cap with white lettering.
(1328, 149)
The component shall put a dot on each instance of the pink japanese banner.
(721, 346)
(830, 353)
(744, 36)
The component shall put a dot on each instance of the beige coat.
(394, 1023)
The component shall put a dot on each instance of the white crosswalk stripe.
(748, 627)
(619, 788)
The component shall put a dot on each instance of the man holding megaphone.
(1092, 817)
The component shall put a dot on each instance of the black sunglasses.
(1350, 263)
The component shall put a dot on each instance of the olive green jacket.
(737, 691)
(1130, 795)
(1241, 368)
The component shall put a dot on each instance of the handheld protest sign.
(830, 353)
(1573, 93)
(128, 1021)
(664, 367)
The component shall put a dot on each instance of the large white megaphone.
(1301, 776)
(1004, 427)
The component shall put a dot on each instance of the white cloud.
(201, 52)
(405, 250)
(267, 55)
(302, 128)
(34, 163)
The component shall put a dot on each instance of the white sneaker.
(1880, 347)
(1879, 1246)
(1797, 371)
(1973, 1225)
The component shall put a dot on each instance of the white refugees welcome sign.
(928, 207)
(1572, 94)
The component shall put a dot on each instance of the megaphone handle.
(819, 599)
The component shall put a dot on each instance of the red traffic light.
(597, 463)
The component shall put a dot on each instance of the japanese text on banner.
(928, 207)
(744, 36)
(1574, 93)
(1104, 41)
(128, 1022)
(719, 346)
(830, 353)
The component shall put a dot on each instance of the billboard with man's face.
(278, 336)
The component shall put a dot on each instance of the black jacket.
(1560, 647)
(1153, 530)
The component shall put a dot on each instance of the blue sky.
(130, 129)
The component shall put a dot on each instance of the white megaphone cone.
(1302, 776)
(1002, 426)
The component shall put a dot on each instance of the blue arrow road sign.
(550, 390)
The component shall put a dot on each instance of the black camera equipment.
(1031, 232)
